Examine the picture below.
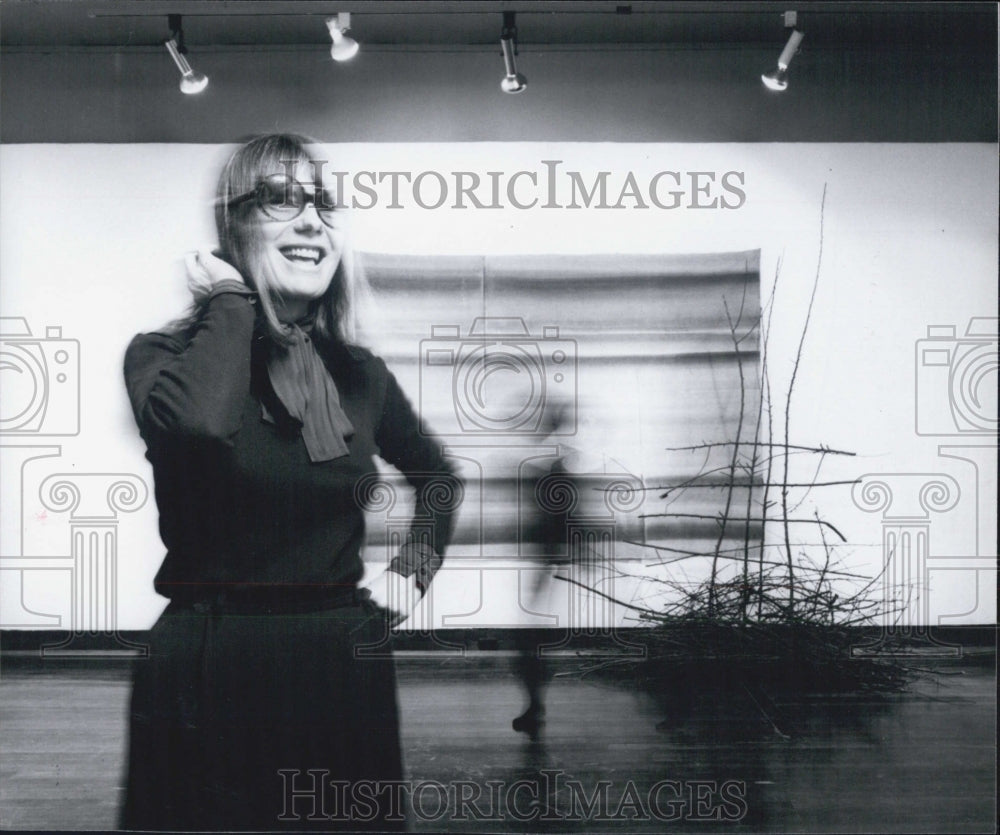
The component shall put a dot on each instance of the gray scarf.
(307, 391)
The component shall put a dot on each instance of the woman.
(258, 707)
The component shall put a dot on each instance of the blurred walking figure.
(547, 496)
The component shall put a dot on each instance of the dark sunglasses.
(281, 197)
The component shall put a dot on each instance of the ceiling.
(470, 24)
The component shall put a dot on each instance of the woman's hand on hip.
(397, 594)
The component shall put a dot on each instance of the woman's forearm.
(438, 488)
(196, 388)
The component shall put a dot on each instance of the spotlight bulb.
(194, 82)
(776, 79)
(516, 83)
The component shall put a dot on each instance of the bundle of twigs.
(788, 624)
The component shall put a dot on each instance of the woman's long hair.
(237, 227)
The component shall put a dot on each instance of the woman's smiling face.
(300, 255)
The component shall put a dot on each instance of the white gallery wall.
(902, 237)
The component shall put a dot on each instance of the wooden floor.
(922, 762)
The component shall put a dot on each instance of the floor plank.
(923, 762)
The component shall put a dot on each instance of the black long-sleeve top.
(241, 505)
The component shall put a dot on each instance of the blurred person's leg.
(534, 674)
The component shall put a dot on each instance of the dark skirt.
(264, 721)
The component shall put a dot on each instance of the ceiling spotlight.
(344, 48)
(191, 82)
(777, 79)
(513, 81)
